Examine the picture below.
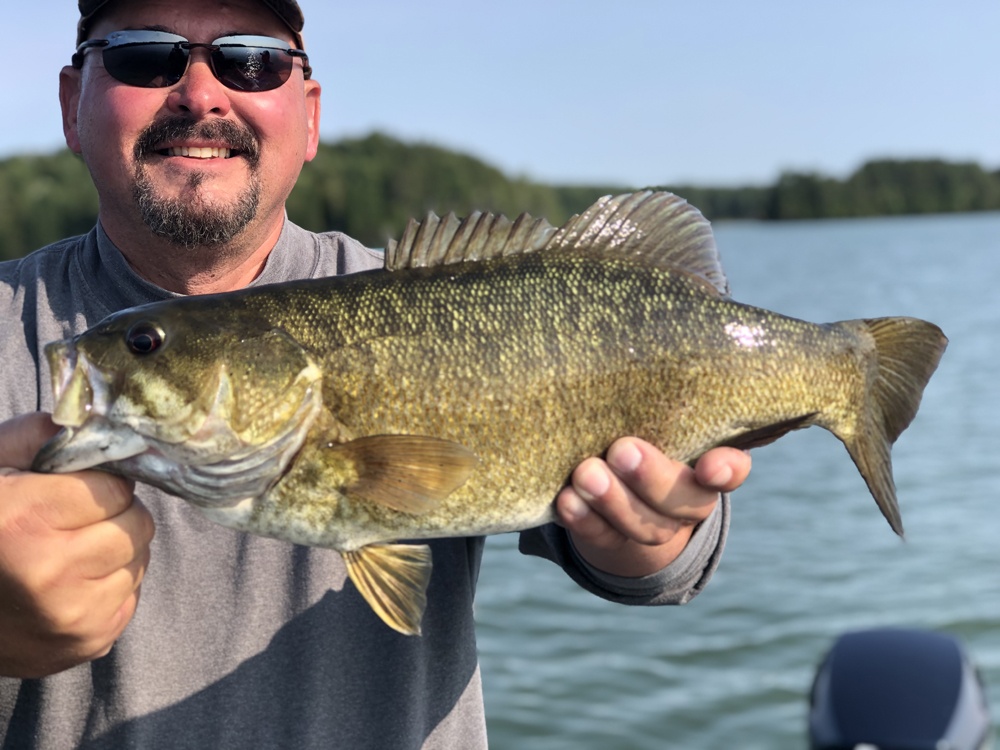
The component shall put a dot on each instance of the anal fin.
(393, 579)
(768, 434)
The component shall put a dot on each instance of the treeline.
(369, 187)
(886, 188)
(43, 199)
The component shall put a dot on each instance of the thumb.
(722, 469)
(22, 437)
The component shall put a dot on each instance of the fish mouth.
(97, 443)
(197, 456)
(82, 399)
(79, 390)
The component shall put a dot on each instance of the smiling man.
(195, 118)
(197, 163)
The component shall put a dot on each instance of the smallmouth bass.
(453, 392)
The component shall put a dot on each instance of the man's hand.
(73, 550)
(633, 513)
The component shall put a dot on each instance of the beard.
(193, 222)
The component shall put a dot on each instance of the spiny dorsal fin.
(408, 473)
(393, 580)
(436, 241)
(659, 227)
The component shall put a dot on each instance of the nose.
(199, 92)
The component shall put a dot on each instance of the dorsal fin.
(660, 227)
(436, 241)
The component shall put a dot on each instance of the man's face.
(196, 162)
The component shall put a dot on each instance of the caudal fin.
(907, 353)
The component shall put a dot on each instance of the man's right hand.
(73, 551)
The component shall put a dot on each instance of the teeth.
(199, 153)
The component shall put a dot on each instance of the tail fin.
(907, 353)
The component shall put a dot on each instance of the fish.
(452, 392)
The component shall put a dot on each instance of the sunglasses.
(156, 59)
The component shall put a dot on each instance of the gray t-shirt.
(241, 641)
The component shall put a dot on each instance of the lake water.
(809, 555)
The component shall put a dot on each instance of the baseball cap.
(287, 10)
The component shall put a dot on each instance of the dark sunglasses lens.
(251, 68)
(148, 65)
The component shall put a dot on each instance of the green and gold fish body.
(454, 393)
(540, 383)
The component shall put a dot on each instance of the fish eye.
(144, 338)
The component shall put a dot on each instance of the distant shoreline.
(369, 187)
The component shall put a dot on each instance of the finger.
(121, 594)
(101, 645)
(22, 437)
(575, 514)
(668, 487)
(64, 501)
(110, 607)
(723, 469)
(120, 542)
(608, 496)
(615, 531)
(123, 616)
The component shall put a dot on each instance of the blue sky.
(632, 93)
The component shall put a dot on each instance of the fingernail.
(592, 483)
(722, 476)
(574, 508)
(625, 457)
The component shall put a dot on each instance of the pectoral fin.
(408, 473)
(393, 580)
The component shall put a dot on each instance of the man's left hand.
(633, 513)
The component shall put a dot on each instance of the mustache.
(238, 138)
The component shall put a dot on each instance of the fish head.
(205, 401)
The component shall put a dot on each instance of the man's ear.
(70, 81)
(313, 91)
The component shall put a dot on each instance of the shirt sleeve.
(677, 583)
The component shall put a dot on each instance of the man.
(242, 641)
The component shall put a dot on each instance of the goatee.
(192, 223)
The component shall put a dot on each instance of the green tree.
(43, 199)
(370, 187)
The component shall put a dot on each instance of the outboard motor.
(898, 689)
